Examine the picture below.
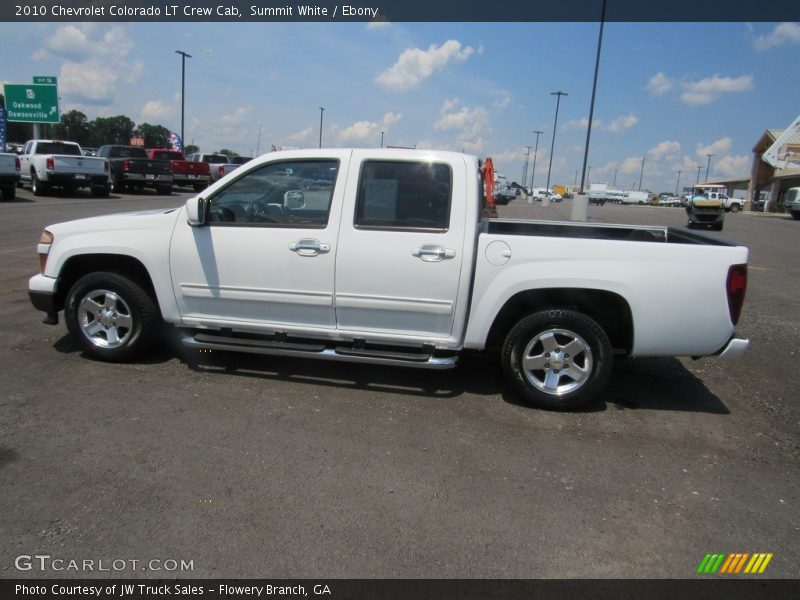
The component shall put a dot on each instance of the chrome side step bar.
(372, 356)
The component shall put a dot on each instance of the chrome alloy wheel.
(557, 361)
(105, 319)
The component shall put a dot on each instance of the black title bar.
(242, 11)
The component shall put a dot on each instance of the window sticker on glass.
(380, 199)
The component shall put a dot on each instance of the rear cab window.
(404, 195)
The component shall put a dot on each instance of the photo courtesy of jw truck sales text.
(438, 281)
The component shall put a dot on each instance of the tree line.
(75, 126)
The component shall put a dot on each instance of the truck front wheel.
(557, 359)
(111, 317)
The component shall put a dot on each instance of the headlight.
(43, 249)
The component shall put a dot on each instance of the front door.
(265, 258)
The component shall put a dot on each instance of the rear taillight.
(126, 165)
(736, 287)
(221, 170)
(51, 163)
(17, 164)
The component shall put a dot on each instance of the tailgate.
(78, 164)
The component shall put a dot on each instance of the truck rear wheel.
(557, 359)
(111, 317)
(38, 187)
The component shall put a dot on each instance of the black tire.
(38, 187)
(114, 185)
(131, 314)
(199, 187)
(164, 190)
(691, 225)
(9, 192)
(735, 208)
(716, 227)
(101, 191)
(546, 337)
(795, 215)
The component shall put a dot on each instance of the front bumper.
(42, 292)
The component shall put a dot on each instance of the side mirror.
(196, 211)
(294, 200)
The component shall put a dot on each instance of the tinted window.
(126, 152)
(58, 148)
(167, 155)
(296, 193)
(404, 195)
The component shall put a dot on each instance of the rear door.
(401, 247)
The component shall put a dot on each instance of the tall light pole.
(678, 182)
(558, 95)
(698, 174)
(641, 174)
(184, 56)
(708, 166)
(321, 110)
(535, 154)
(594, 91)
(381, 139)
(613, 185)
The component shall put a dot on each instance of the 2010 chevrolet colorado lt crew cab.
(382, 256)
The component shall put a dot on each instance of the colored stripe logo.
(735, 563)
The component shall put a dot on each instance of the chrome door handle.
(432, 253)
(309, 247)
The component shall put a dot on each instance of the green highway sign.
(32, 103)
(47, 79)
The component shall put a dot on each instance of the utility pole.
(321, 110)
(698, 174)
(525, 167)
(678, 182)
(558, 95)
(184, 56)
(381, 139)
(641, 174)
(708, 166)
(535, 155)
(613, 185)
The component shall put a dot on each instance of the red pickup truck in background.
(185, 173)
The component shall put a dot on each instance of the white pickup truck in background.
(9, 175)
(382, 257)
(52, 163)
(218, 164)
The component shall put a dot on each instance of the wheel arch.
(611, 311)
(82, 264)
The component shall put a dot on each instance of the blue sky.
(672, 92)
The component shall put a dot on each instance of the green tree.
(74, 126)
(110, 130)
(228, 153)
(191, 149)
(155, 136)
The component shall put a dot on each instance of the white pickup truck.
(9, 175)
(53, 163)
(382, 257)
(218, 164)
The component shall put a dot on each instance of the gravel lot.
(267, 467)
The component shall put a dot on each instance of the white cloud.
(732, 166)
(659, 84)
(467, 121)
(502, 103)
(666, 149)
(416, 65)
(631, 165)
(301, 136)
(618, 125)
(95, 85)
(783, 34)
(718, 147)
(155, 110)
(239, 116)
(95, 61)
(687, 164)
(622, 123)
(360, 130)
(711, 88)
(391, 118)
(377, 25)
